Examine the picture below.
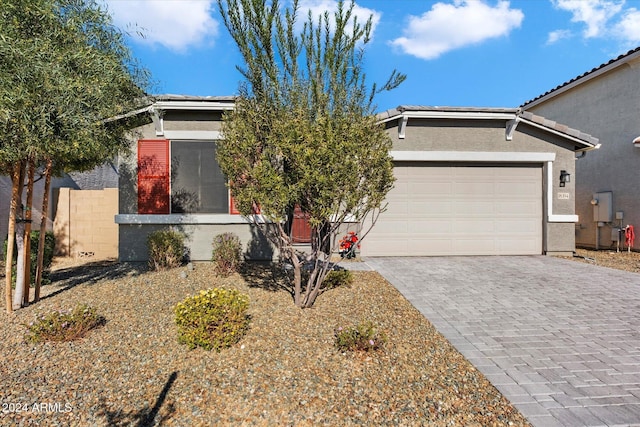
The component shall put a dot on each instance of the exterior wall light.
(564, 177)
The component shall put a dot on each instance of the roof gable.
(511, 116)
(621, 60)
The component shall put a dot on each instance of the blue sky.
(473, 53)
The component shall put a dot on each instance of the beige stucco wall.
(84, 223)
(607, 108)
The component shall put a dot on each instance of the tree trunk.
(43, 229)
(15, 193)
(27, 234)
(19, 295)
(289, 254)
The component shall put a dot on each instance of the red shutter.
(153, 176)
(232, 205)
(300, 228)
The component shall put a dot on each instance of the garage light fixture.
(564, 177)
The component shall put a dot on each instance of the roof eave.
(595, 73)
(194, 105)
(592, 144)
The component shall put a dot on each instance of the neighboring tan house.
(470, 181)
(605, 102)
(81, 210)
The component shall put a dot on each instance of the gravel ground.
(285, 371)
(628, 261)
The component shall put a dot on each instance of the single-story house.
(470, 181)
(603, 102)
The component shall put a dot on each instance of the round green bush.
(214, 319)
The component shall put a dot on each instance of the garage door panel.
(460, 210)
(432, 227)
(443, 243)
(474, 188)
(517, 189)
(474, 207)
(515, 226)
(432, 207)
(433, 188)
(473, 227)
(511, 245)
(516, 208)
(391, 228)
(484, 246)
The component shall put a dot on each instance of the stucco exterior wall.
(198, 239)
(489, 136)
(607, 108)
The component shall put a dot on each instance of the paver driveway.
(560, 339)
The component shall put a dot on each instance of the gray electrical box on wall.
(602, 206)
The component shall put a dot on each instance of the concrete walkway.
(560, 339)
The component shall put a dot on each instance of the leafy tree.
(64, 70)
(303, 131)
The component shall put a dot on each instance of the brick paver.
(559, 339)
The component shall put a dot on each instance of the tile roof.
(558, 127)
(481, 112)
(622, 59)
(170, 97)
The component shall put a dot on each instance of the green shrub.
(337, 278)
(213, 319)
(227, 253)
(64, 325)
(362, 337)
(166, 249)
(49, 247)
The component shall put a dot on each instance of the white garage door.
(460, 210)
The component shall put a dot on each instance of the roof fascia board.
(586, 145)
(127, 115)
(194, 105)
(481, 115)
(193, 135)
(472, 156)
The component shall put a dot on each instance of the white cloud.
(318, 7)
(593, 13)
(556, 35)
(451, 26)
(629, 26)
(174, 24)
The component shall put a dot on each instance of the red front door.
(300, 228)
